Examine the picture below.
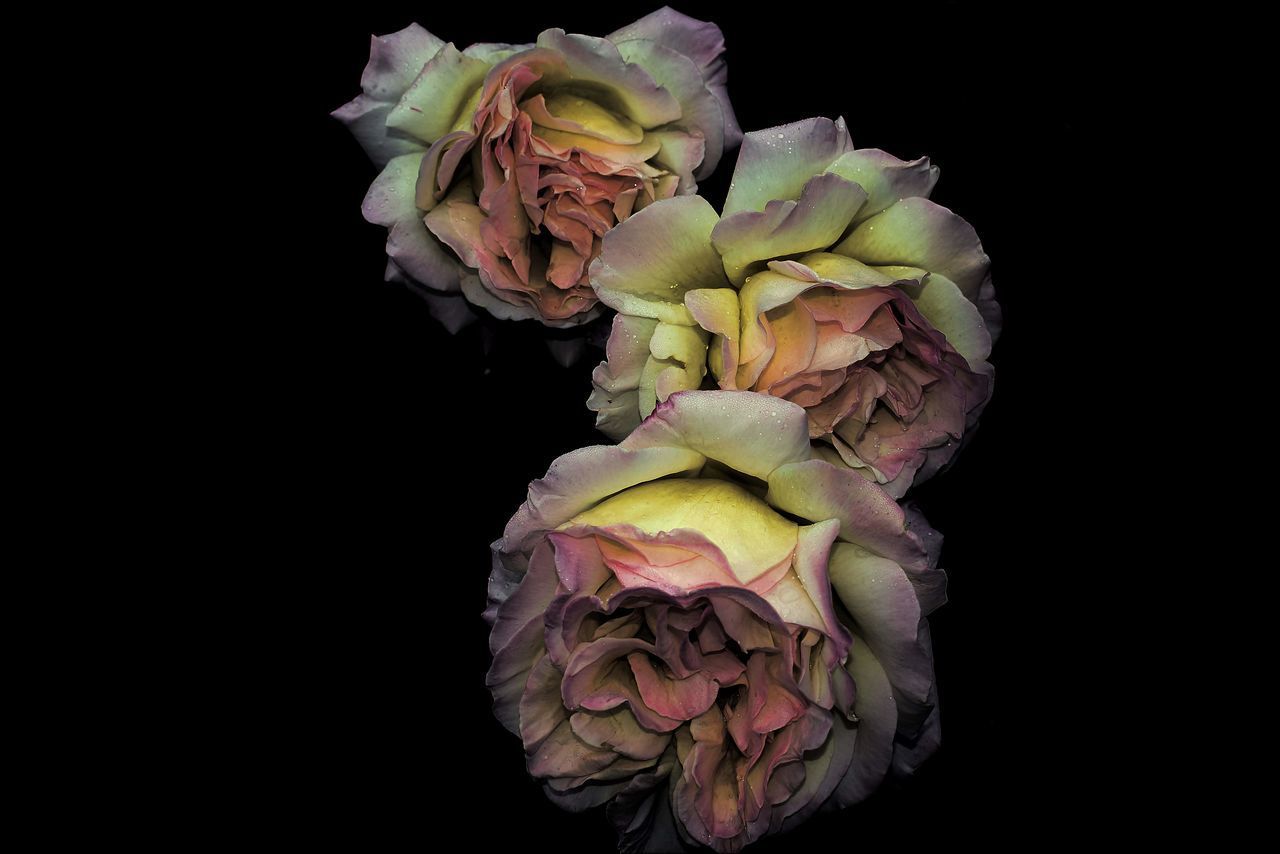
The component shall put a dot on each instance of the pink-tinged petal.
(576, 115)
(430, 107)
(541, 709)
(813, 552)
(795, 338)
(852, 309)
(826, 206)
(918, 233)
(775, 164)
(877, 722)
(616, 381)
(771, 702)
(649, 262)
(682, 699)
(396, 60)
(885, 178)
(677, 562)
(366, 118)
(883, 604)
(818, 490)
(947, 309)
(597, 61)
(827, 268)
(618, 730)
(579, 565)
(764, 292)
(700, 110)
(751, 433)
(583, 478)
(529, 601)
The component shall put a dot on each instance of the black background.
(420, 444)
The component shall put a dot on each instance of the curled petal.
(430, 108)
(615, 397)
(885, 178)
(952, 314)
(594, 60)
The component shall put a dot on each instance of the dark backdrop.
(419, 444)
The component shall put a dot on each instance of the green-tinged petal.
(882, 601)
(918, 233)
(885, 178)
(495, 52)
(595, 67)
(578, 115)
(700, 111)
(868, 516)
(391, 195)
(649, 262)
(716, 310)
(776, 163)
(430, 107)
(415, 251)
(827, 268)
(751, 433)
(877, 723)
(366, 118)
(581, 479)
(616, 381)
(942, 304)
(678, 363)
(826, 206)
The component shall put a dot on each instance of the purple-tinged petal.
(366, 118)
(396, 60)
(877, 722)
(775, 164)
(616, 381)
(597, 61)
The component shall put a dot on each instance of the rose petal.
(649, 262)
(431, 106)
(885, 178)
(595, 60)
(775, 164)
(918, 233)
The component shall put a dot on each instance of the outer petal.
(702, 42)
(649, 262)
(918, 233)
(616, 381)
(776, 163)
(751, 433)
(883, 604)
(700, 111)
(366, 118)
(877, 721)
(430, 107)
(581, 478)
(594, 60)
(947, 309)
(885, 178)
(826, 206)
(410, 245)
(396, 60)
(818, 490)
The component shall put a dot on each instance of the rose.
(831, 281)
(710, 629)
(504, 165)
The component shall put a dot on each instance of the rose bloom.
(503, 166)
(711, 630)
(831, 281)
